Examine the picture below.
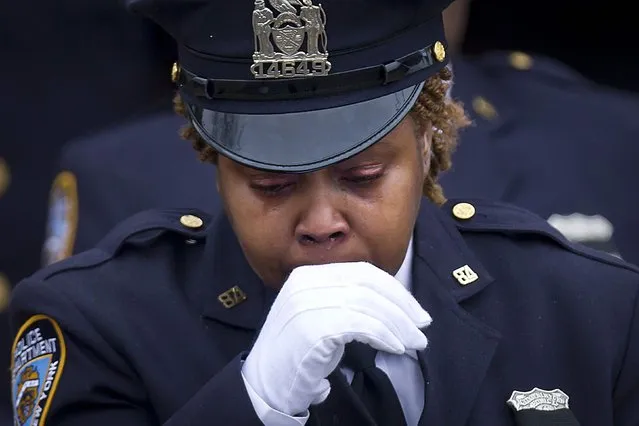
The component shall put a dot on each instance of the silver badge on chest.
(539, 399)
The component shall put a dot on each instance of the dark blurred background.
(599, 41)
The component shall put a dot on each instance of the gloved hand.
(318, 310)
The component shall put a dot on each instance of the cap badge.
(281, 31)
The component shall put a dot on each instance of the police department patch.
(63, 219)
(38, 356)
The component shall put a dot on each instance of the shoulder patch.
(62, 222)
(489, 216)
(37, 360)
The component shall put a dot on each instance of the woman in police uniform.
(331, 291)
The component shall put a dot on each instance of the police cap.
(295, 85)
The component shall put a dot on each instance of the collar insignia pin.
(232, 297)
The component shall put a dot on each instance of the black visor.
(302, 141)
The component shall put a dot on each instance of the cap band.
(333, 84)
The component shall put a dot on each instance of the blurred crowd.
(88, 135)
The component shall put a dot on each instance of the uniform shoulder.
(482, 216)
(138, 231)
(141, 134)
(518, 67)
(530, 66)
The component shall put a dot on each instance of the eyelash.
(273, 190)
(365, 179)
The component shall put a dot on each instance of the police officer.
(547, 139)
(542, 137)
(113, 174)
(330, 290)
(62, 64)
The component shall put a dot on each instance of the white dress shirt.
(402, 370)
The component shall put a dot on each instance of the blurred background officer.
(593, 39)
(116, 173)
(547, 139)
(544, 138)
(65, 66)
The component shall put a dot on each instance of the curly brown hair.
(434, 108)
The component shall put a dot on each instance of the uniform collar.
(436, 243)
(461, 346)
(440, 246)
(223, 269)
(403, 275)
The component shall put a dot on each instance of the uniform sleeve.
(626, 397)
(63, 371)
(270, 416)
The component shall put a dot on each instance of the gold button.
(175, 72)
(5, 292)
(484, 108)
(5, 176)
(521, 61)
(440, 51)
(191, 221)
(463, 211)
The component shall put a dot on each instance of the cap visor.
(302, 141)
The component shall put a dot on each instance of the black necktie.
(373, 386)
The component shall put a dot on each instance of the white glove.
(318, 310)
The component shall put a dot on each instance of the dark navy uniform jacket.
(543, 138)
(548, 140)
(143, 339)
(136, 166)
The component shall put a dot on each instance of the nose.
(322, 225)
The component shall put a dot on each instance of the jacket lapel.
(460, 346)
(228, 291)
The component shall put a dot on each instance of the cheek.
(261, 230)
(387, 223)
(256, 223)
